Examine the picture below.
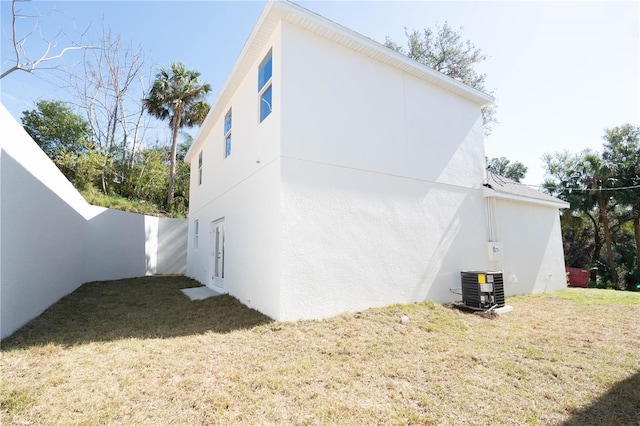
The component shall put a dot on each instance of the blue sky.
(561, 72)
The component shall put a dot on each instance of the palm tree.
(622, 150)
(177, 95)
(597, 175)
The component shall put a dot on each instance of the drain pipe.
(489, 219)
(489, 212)
(491, 224)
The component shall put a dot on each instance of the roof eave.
(278, 10)
(234, 77)
(491, 193)
(319, 24)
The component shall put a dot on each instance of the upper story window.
(264, 73)
(264, 87)
(227, 134)
(200, 168)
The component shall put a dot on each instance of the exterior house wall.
(52, 240)
(363, 188)
(251, 253)
(254, 144)
(532, 245)
(355, 239)
(380, 178)
(340, 107)
(243, 189)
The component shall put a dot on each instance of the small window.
(195, 233)
(264, 72)
(265, 104)
(264, 87)
(200, 168)
(227, 134)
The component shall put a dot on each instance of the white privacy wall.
(42, 232)
(52, 241)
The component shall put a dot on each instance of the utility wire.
(501, 181)
(605, 189)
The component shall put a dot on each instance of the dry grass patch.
(138, 352)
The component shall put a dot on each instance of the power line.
(501, 180)
(605, 189)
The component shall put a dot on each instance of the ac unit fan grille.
(482, 289)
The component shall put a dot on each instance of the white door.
(217, 260)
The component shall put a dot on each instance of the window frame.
(265, 86)
(263, 115)
(268, 58)
(196, 231)
(227, 133)
(200, 161)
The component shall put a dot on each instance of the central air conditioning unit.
(482, 289)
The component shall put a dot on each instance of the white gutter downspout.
(489, 212)
(489, 219)
(494, 248)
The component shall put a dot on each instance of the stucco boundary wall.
(52, 241)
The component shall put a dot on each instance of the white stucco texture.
(252, 240)
(343, 108)
(532, 245)
(52, 240)
(243, 190)
(364, 187)
(353, 239)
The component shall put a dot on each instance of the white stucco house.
(333, 174)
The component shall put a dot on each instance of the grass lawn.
(139, 352)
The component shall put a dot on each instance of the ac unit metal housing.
(482, 289)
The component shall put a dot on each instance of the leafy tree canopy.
(67, 139)
(622, 151)
(445, 51)
(179, 97)
(603, 190)
(55, 127)
(515, 171)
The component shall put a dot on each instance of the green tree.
(446, 52)
(150, 174)
(183, 171)
(177, 96)
(622, 152)
(55, 127)
(515, 171)
(565, 181)
(596, 175)
(584, 181)
(66, 138)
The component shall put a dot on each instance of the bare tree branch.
(22, 62)
(106, 86)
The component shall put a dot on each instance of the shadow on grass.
(148, 307)
(619, 406)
